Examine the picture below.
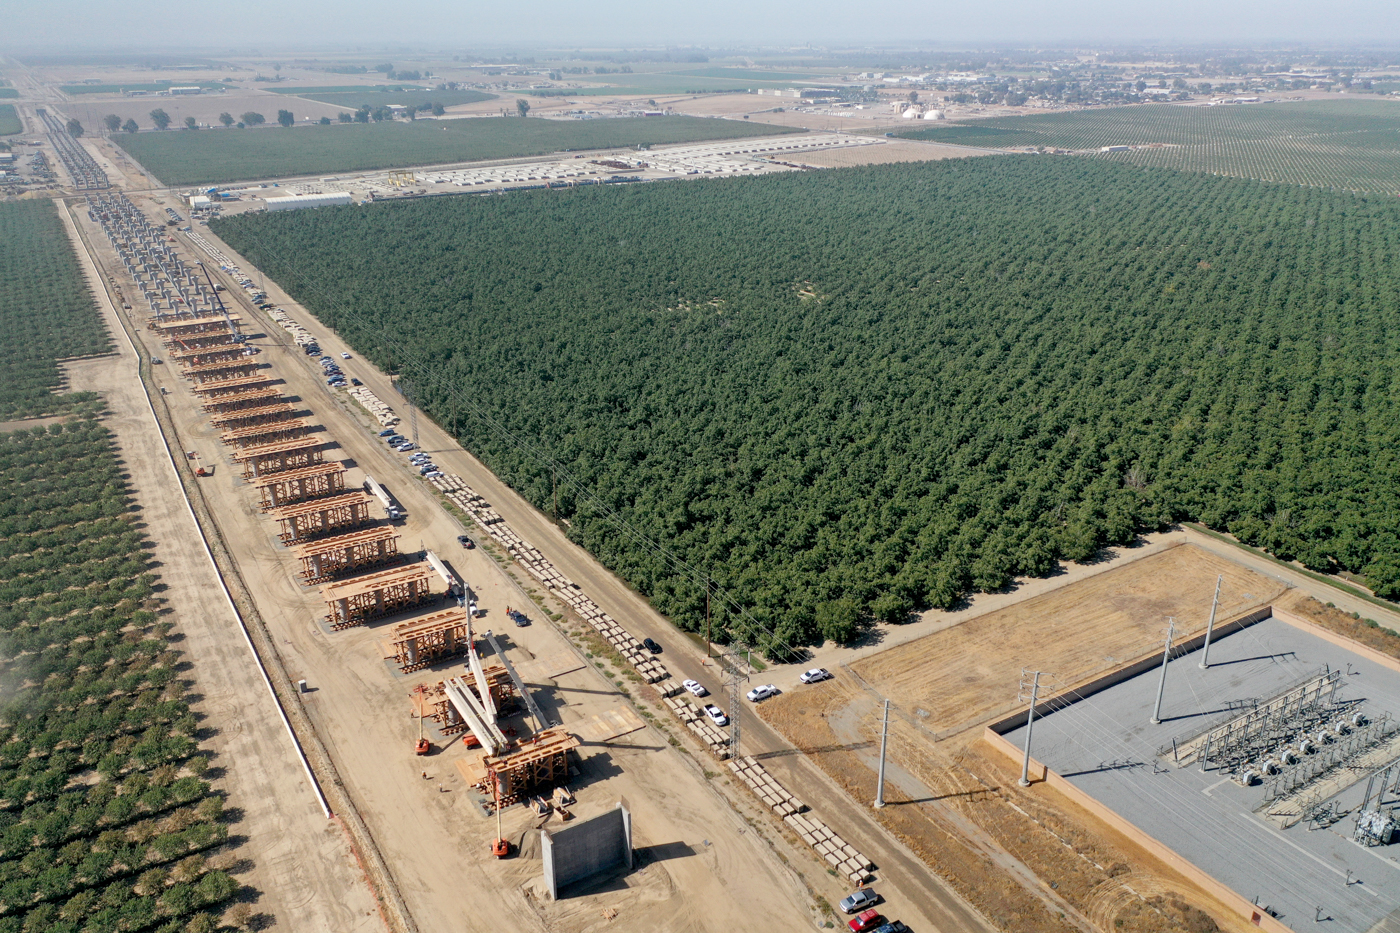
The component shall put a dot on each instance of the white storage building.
(291, 202)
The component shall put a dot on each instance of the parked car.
(433, 475)
(863, 899)
(466, 542)
(427, 468)
(419, 457)
(344, 355)
(717, 716)
(695, 687)
(405, 448)
(518, 617)
(356, 382)
(651, 645)
(393, 439)
(868, 920)
(894, 926)
(815, 676)
(386, 432)
(758, 694)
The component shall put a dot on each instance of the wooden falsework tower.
(217, 389)
(251, 417)
(439, 708)
(375, 595)
(319, 518)
(197, 356)
(430, 639)
(238, 401)
(260, 435)
(223, 371)
(539, 762)
(360, 550)
(278, 458)
(314, 482)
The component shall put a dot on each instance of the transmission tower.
(736, 670)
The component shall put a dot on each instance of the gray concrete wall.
(586, 848)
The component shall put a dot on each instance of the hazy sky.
(437, 24)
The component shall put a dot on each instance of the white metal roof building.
(294, 201)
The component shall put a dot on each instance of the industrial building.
(291, 202)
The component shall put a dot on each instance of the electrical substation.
(1275, 768)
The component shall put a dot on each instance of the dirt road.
(300, 861)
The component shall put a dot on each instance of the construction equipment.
(199, 468)
(500, 847)
(402, 179)
(423, 746)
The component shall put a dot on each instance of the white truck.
(391, 508)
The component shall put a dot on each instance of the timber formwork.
(260, 435)
(375, 595)
(430, 639)
(279, 458)
(539, 762)
(320, 518)
(237, 401)
(293, 486)
(211, 390)
(355, 552)
(223, 371)
(250, 417)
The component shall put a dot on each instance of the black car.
(519, 618)
(651, 645)
(466, 542)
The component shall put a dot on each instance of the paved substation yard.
(300, 861)
(701, 867)
(1106, 746)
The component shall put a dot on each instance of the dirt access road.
(914, 894)
(301, 862)
(702, 868)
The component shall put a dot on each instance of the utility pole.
(884, 739)
(554, 484)
(707, 617)
(1162, 684)
(1210, 626)
(1030, 722)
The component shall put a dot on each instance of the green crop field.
(377, 98)
(238, 155)
(76, 89)
(858, 393)
(8, 92)
(347, 89)
(105, 820)
(1351, 144)
(9, 120)
(46, 311)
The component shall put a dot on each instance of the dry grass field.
(961, 676)
(1028, 859)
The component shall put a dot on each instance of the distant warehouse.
(291, 202)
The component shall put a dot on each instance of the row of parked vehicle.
(426, 468)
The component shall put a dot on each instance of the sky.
(124, 25)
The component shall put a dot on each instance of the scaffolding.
(293, 486)
(320, 518)
(250, 417)
(279, 458)
(540, 763)
(202, 341)
(238, 401)
(329, 558)
(430, 639)
(212, 390)
(373, 596)
(260, 435)
(168, 327)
